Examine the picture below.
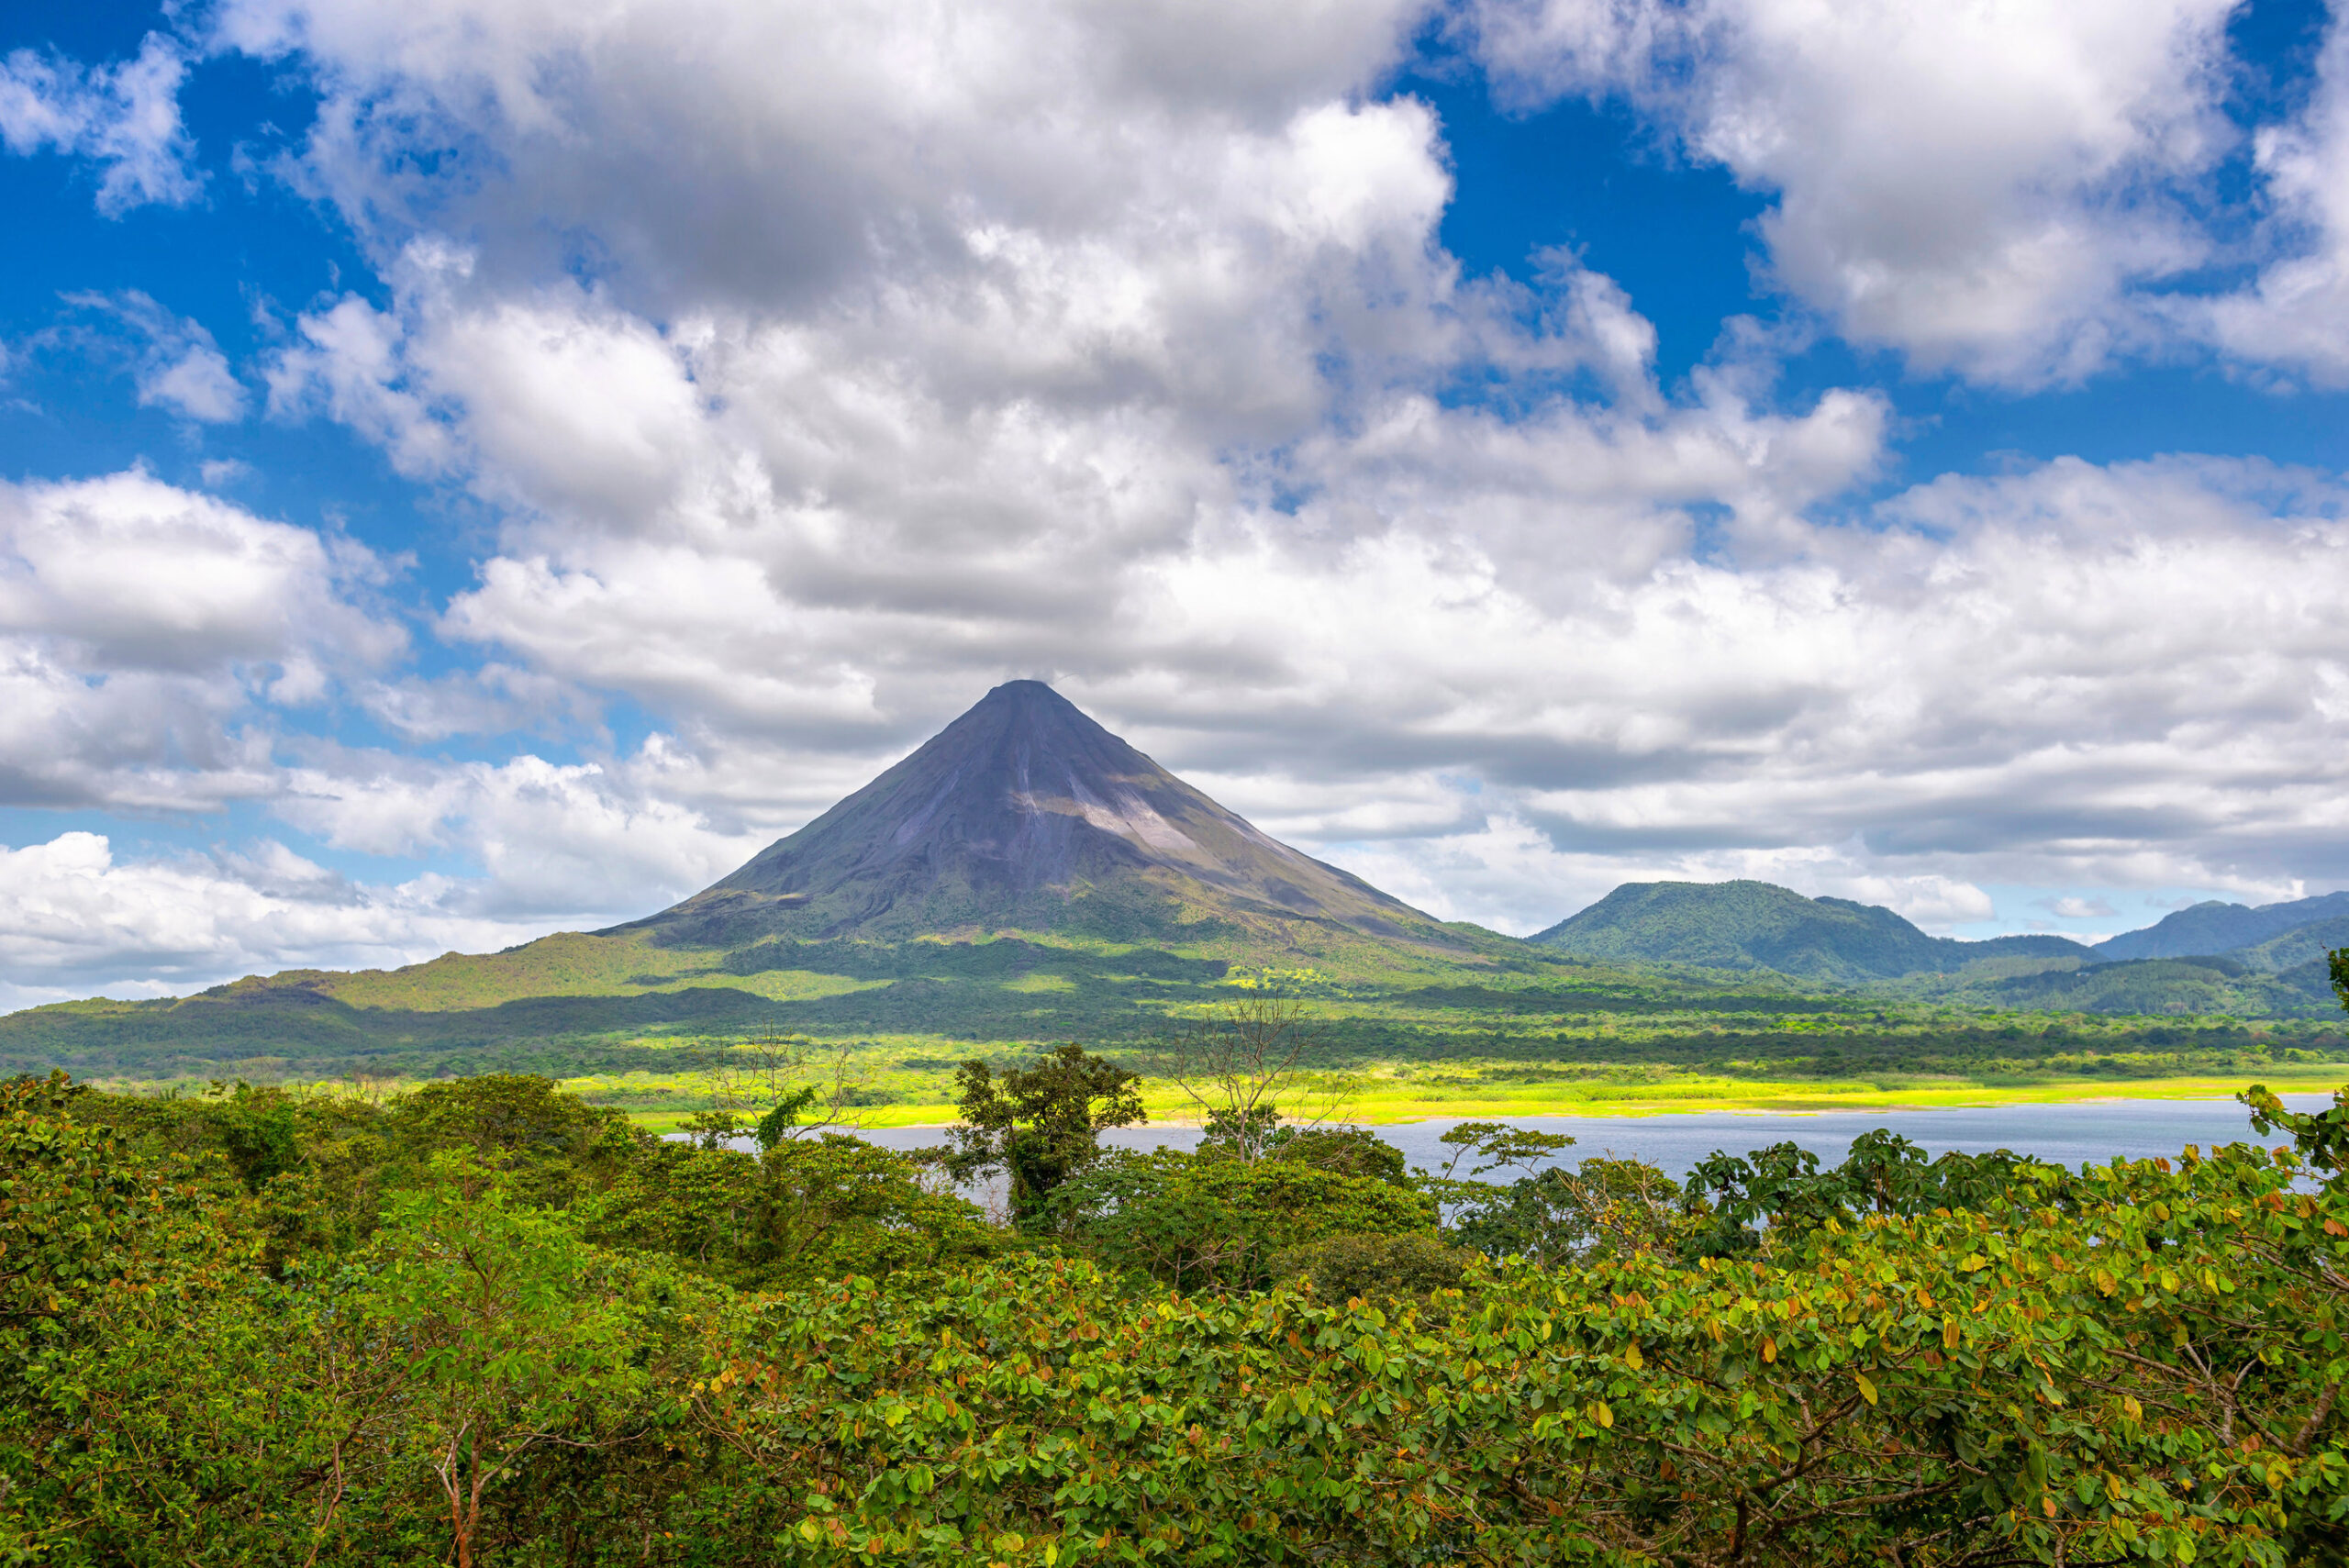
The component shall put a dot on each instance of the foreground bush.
(527, 1354)
(2148, 1377)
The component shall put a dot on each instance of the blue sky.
(476, 469)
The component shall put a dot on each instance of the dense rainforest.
(485, 1322)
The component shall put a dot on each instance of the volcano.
(1025, 875)
(1026, 815)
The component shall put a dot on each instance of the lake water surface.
(2074, 1134)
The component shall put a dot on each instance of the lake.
(2071, 1134)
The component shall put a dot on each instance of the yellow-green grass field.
(907, 1081)
(1384, 1094)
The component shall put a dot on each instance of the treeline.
(1957, 1050)
(486, 1323)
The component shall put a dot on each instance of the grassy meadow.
(1384, 1093)
(1382, 1060)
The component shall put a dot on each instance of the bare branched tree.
(1246, 1070)
(776, 1088)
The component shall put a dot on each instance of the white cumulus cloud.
(75, 921)
(146, 632)
(800, 370)
(1986, 187)
(176, 362)
(125, 118)
(2294, 314)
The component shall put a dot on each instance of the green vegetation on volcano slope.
(590, 1000)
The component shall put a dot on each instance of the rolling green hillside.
(2187, 986)
(2297, 948)
(1757, 925)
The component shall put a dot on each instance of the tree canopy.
(485, 1323)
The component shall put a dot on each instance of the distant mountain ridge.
(2211, 928)
(1759, 925)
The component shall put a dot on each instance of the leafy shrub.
(1215, 1224)
(799, 1212)
(1380, 1269)
(1347, 1151)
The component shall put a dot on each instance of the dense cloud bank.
(813, 367)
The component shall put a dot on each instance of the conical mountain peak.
(1024, 814)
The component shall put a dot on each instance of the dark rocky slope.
(1026, 815)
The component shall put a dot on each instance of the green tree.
(1563, 1215)
(1883, 1174)
(798, 1213)
(1349, 1150)
(1196, 1224)
(496, 1332)
(1040, 1125)
(550, 1145)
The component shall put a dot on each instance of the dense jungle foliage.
(487, 1323)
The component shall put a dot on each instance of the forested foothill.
(486, 1322)
(1558, 1031)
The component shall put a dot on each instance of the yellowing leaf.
(1769, 1349)
(1949, 1333)
(1631, 1356)
(1602, 1414)
(1867, 1389)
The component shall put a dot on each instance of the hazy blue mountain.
(2212, 927)
(1758, 925)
